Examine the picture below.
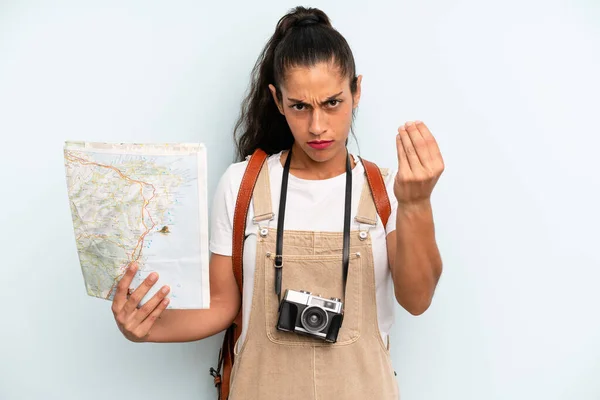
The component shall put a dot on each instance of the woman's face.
(317, 104)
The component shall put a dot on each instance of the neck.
(304, 167)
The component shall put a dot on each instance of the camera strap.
(281, 218)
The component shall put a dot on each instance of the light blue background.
(509, 89)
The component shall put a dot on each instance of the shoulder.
(235, 172)
(233, 175)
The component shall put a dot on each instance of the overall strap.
(222, 374)
(261, 200)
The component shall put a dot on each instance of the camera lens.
(314, 319)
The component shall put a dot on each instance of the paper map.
(144, 203)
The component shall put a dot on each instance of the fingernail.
(165, 289)
(133, 266)
(409, 123)
(417, 122)
(153, 277)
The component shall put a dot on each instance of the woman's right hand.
(135, 323)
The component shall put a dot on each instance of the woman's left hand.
(420, 164)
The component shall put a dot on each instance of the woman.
(313, 233)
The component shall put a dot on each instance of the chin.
(320, 155)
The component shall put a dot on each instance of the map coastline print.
(145, 203)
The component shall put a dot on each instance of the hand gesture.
(133, 321)
(420, 164)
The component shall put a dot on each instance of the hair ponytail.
(303, 37)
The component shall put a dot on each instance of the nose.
(318, 122)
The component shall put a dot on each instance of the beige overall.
(274, 365)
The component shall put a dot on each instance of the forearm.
(191, 325)
(417, 264)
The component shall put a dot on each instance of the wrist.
(415, 207)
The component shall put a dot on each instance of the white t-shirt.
(312, 205)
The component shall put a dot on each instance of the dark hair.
(303, 37)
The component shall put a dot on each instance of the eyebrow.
(328, 99)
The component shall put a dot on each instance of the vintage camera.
(304, 313)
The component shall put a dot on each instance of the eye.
(298, 107)
(333, 103)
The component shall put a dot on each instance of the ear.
(356, 96)
(274, 94)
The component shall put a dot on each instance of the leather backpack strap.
(222, 374)
(241, 211)
(379, 191)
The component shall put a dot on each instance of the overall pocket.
(322, 275)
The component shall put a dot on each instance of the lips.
(320, 144)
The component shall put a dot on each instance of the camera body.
(307, 314)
